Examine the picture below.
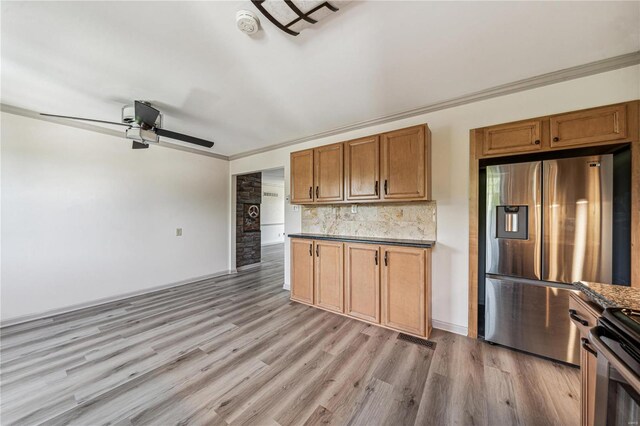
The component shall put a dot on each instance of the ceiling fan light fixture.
(247, 22)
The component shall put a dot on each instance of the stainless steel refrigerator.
(548, 224)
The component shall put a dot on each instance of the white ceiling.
(368, 60)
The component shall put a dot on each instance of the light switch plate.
(178, 232)
(296, 207)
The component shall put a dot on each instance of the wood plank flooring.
(235, 350)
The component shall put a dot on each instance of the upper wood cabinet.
(302, 261)
(604, 125)
(403, 289)
(302, 176)
(404, 164)
(590, 126)
(362, 281)
(328, 172)
(390, 167)
(329, 288)
(512, 138)
(362, 168)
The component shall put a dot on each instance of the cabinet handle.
(376, 257)
(310, 192)
(537, 142)
(386, 258)
(556, 139)
(574, 316)
(317, 191)
(585, 345)
(376, 188)
(385, 187)
(310, 249)
(318, 251)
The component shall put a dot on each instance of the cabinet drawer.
(588, 127)
(512, 138)
(582, 314)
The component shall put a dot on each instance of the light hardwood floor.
(235, 350)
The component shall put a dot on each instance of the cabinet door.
(328, 173)
(362, 171)
(302, 176)
(512, 138)
(404, 163)
(404, 289)
(302, 270)
(588, 372)
(362, 281)
(587, 127)
(329, 275)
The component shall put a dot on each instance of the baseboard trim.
(103, 301)
(447, 326)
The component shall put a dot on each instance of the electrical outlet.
(354, 208)
(178, 232)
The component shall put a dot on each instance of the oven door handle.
(614, 360)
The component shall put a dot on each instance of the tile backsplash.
(411, 220)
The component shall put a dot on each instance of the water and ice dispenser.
(512, 222)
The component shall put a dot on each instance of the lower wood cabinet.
(385, 285)
(404, 291)
(362, 281)
(328, 278)
(302, 270)
(585, 316)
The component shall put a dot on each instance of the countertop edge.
(367, 240)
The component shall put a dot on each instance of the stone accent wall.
(416, 221)
(248, 191)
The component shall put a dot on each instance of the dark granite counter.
(611, 296)
(367, 240)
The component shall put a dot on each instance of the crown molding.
(579, 71)
(10, 109)
(592, 68)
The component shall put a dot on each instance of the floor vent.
(429, 344)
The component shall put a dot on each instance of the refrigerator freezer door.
(532, 318)
(513, 220)
(578, 215)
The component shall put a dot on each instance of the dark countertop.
(367, 240)
(611, 296)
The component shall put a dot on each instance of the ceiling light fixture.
(293, 16)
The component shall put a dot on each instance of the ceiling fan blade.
(145, 114)
(186, 138)
(85, 119)
(139, 145)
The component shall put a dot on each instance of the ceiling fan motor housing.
(140, 135)
(129, 116)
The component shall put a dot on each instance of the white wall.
(272, 213)
(450, 164)
(85, 217)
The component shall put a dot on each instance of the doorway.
(260, 206)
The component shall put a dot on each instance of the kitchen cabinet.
(584, 315)
(403, 289)
(362, 168)
(404, 164)
(302, 176)
(588, 127)
(512, 138)
(381, 284)
(390, 167)
(302, 270)
(328, 172)
(362, 281)
(328, 277)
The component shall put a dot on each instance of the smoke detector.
(247, 22)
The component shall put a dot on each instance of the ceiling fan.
(144, 126)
